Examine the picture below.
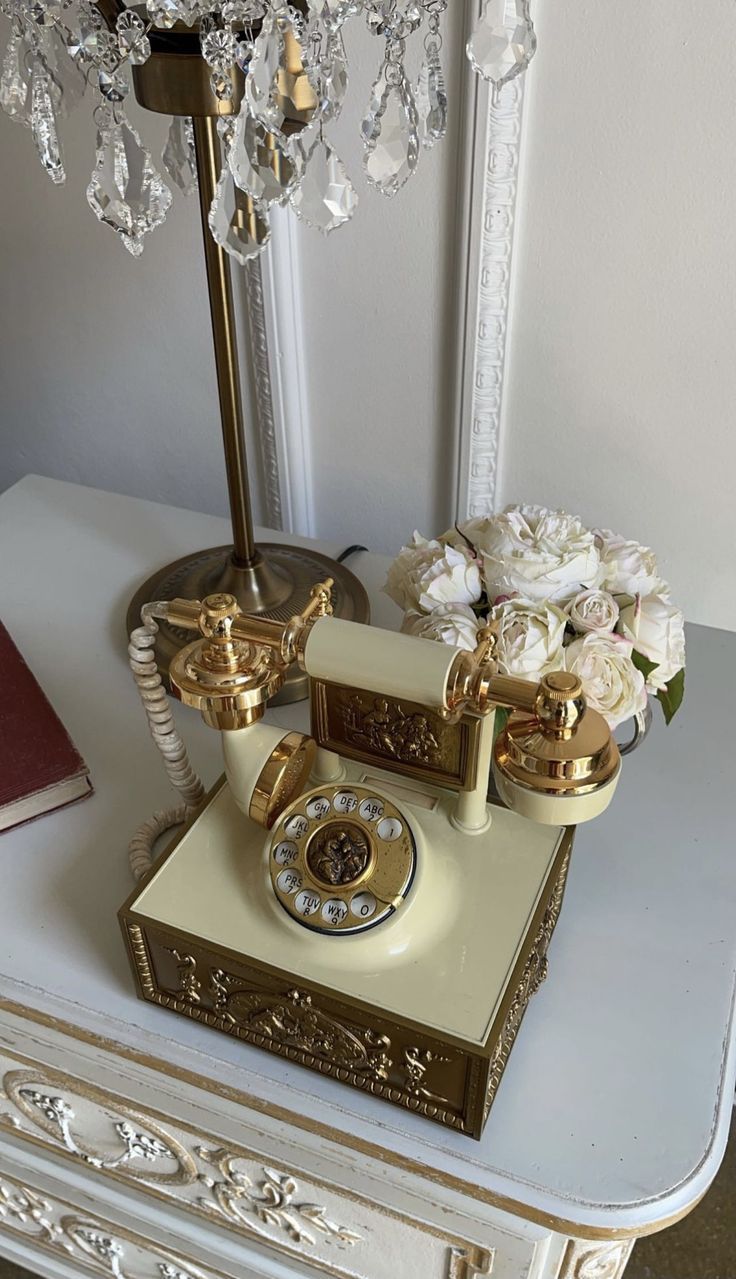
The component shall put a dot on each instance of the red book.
(40, 767)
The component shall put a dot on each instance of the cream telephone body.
(397, 768)
(350, 899)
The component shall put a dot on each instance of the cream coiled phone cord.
(165, 734)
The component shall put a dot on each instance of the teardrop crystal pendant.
(390, 132)
(431, 100)
(236, 224)
(15, 89)
(258, 164)
(333, 79)
(43, 124)
(125, 191)
(504, 41)
(178, 156)
(334, 12)
(279, 86)
(325, 198)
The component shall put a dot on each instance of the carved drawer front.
(247, 1194)
(43, 1227)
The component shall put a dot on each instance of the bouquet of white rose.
(559, 596)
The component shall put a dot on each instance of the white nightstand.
(137, 1144)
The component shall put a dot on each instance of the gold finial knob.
(560, 704)
(218, 613)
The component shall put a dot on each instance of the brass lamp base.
(277, 585)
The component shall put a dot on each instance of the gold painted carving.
(141, 1148)
(272, 1202)
(595, 1261)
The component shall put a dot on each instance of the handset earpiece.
(559, 764)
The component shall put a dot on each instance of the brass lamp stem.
(207, 147)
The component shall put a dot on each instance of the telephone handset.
(342, 856)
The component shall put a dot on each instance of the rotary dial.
(341, 859)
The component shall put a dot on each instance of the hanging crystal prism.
(325, 197)
(333, 79)
(279, 86)
(15, 89)
(43, 124)
(260, 167)
(333, 13)
(504, 41)
(178, 156)
(68, 79)
(164, 13)
(237, 225)
(431, 99)
(390, 132)
(125, 191)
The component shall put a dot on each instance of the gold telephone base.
(278, 587)
(425, 1019)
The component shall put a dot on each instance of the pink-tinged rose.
(528, 637)
(426, 574)
(593, 611)
(657, 630)
(611, 683)
(454, 624)
(628, 568)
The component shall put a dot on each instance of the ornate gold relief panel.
(344, 1235)
(395, 734)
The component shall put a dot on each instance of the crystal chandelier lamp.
(252, 87)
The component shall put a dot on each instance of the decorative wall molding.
(486, 252)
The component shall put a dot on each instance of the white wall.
(106, 366)
(622, 378)
(620, 375)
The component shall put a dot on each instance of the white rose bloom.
(425, 574)
(611, 683)
(657, 629)
(470, 531)
(454, 624)
(593, 611)
(529, 638)
(628, 568)
(538, 554)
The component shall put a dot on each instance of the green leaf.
(642, 663)
(671, 696)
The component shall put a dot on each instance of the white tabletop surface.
(614, 1109)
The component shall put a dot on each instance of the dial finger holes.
(296, 827)
(345, 801)
(318, 807)
(285, 853)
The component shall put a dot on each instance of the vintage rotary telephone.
(395, 772)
